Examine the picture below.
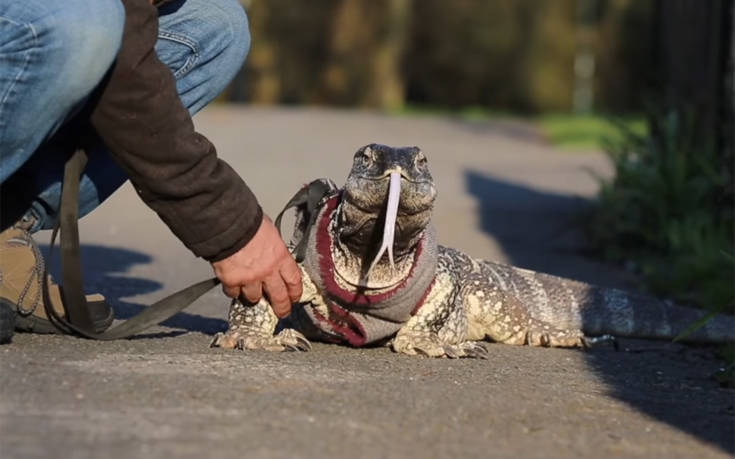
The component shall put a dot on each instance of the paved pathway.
(504, 195)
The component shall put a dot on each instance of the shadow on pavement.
(104, 270)
(536, 229)
(665, 381)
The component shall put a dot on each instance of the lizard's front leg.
(439, 328)
(253, 326)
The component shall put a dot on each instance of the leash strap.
(78, 320)
(308, 200)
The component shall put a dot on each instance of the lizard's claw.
(475, 350)
(293, 340)
(287, 340)
(466, 350)
(431, 346)
(554, 337)
(589, 342)
(224, 341)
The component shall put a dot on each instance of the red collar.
(324, 243)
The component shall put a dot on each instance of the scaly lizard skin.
(426, 299)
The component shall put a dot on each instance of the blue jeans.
(53, 54)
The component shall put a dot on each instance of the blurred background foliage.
(668, 213)
(520, 56)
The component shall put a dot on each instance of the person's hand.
(262, 266)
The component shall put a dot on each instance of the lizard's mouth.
(381, 218)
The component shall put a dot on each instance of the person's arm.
(176, 171)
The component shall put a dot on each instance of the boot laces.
(36, 276)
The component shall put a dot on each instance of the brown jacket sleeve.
(174, 169)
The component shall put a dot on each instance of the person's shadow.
(103, 268)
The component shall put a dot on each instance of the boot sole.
(7, 321)
(102, 317)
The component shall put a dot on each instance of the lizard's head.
(388, 196)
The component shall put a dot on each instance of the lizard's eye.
(368, 155)
(421, 159)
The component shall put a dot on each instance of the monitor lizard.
(373, 273)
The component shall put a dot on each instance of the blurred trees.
(342, 52)
(364, 53)
(696, 72)
(515, 55)
(506, 54)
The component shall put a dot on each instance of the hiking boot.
(21, 275)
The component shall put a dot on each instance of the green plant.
(667, 211)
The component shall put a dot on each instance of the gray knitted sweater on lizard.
(360, 316)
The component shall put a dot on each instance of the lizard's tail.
(620, 313)
(597, 310)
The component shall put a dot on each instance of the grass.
(586, 132)
(568, 131)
